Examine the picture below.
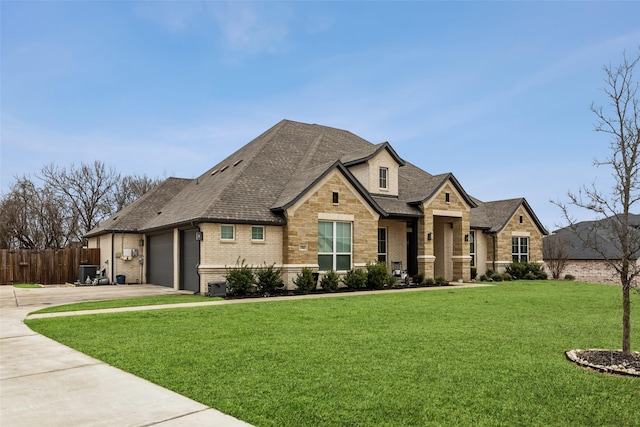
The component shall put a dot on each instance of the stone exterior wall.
(515, 228)
(455, 211)
(300, 238)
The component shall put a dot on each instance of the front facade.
(305, 195)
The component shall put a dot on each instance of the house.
(305, 195)
(573, 245)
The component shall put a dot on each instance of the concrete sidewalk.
(44, 383)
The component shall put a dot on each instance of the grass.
(481, 356)
(26, 285)
(127, 302)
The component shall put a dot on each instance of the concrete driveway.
(44, 383)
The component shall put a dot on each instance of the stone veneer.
(515, 229)
(455, 211)
(300, 236)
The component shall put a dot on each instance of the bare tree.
(31, 218)
(85, 191)
(70, 202)
(130, 189)
(556, 254)
(620, 122)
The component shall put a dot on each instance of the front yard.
(481, 356)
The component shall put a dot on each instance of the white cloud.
(253, 27)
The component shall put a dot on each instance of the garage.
(160, 259)
(189, 260)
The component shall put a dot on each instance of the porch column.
(461, 258)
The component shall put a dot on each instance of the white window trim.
(386, 178)
(263, 234)
(386, 244)
(334, 252)
(233, 227)
(520, 254)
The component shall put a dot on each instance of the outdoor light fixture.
(429, 236)
(199, 236)
(466, 237)
(141, 242)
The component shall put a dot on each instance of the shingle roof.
(494, 216)
(601, 233)
(269, 173)
(136, 215)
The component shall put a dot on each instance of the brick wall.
(594, 271)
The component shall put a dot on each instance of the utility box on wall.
(127, 254)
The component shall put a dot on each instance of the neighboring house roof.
(134, 216)
(494, 216)
(600, 232)
(270, 173)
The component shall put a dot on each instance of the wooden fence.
(46, 267)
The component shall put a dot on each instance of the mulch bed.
(607, 361)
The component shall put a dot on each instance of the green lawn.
(127, 302)
(26, 285)
(481, 356)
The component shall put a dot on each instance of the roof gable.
(494, 216)
(302, 183)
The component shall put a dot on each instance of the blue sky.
(497, 93)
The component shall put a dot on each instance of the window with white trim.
(227, 232)
(334, 246)
(384, 176)
(382, 244)
(472, 247)
(520, 249)
(257, 233)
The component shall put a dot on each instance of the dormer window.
(384, 174)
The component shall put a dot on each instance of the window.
(336, 197)
(334, 246)
(384, 172)
(472, 247)
(521, 219)
(382, 244)
(227, 232)
(447, 197)
(520, 249)
(257, 233)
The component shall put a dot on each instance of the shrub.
(496, 278)
(506, 277)
(418, 279)
(474, 273)
(377, 275)
(355, 279)
(330, 281)
(441, 281)
(569, 277)
(484, 278)
(429, 282)
(526, 271)
(240, 279)
(269, 279)
(392, 282)
(305, 281)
